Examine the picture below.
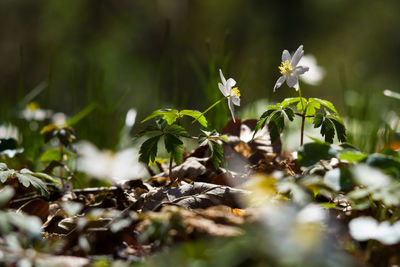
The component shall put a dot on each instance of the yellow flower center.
(32, 106)
(236, 92)
(285, 67)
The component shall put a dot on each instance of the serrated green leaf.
(149, 129)
(26, 178)
(328, 130)
(312, 107)
(196, 115)
(302, 104)
(260, 124)
(273, 107)
(326, 103)
(288, 101)
(318, 119)
(216, 152)
(148, 150)
(276, 124)
(170, 115)
(289, 113)
(45, 176)
(176, 130)
(340, 130)
(5, 174)
(174, 146)
(267, 113)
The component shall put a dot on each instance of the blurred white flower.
(289, 69)
(59, 119)
(33, 112)
(107, 165)
(9, 131)
(365, 228)
(312, 213)
(370, 177)
(315, 74)
(130, 117)
(230, 92)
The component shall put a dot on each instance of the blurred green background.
(147, 54)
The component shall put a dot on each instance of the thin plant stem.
(170, 168)
(208, 109)
(61, 161)
(303, 117)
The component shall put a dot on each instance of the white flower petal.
(292, 80)
(231, 108)
(230, 83)
(370, 177)
(235, 100)
(279, 82)
(363, 228)
(286, 56)
(299, 70)
(297, 56)
(223, 89)
(316, 73)
(222, 77)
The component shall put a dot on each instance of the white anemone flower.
(107, 165)
(32, 112)
(365, 228)
(316, 73)
(230, 92)
(289, 69)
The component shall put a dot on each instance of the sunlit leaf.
(148, 150)
(174, 146)
(196, 115)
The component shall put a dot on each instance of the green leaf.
(300, 106)
(50, 155)
(5, 174)
(6, 194)
(170, 115)
(318, 119)
(176, 130)
(288, 101)
(312, 107)
(217, 153)
(312, 153)
(289, 113)
(196, 115)
(174, 146)
(325, 103)
(276, 124)
(148, 150)
(328, 130)
(340, 129)
(352, 156)
(26, 178)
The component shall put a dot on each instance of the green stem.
(303, 117)
(208, 109)
(61, 161)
